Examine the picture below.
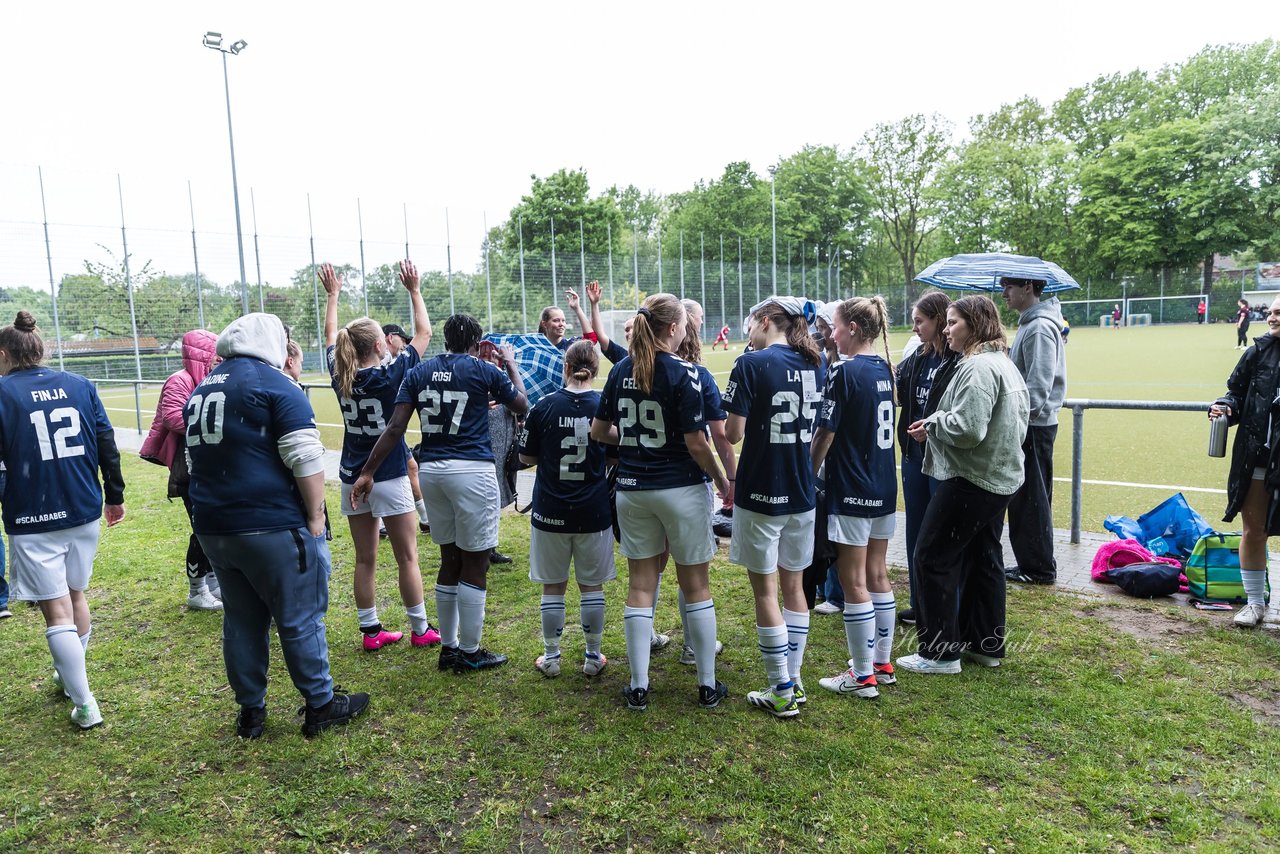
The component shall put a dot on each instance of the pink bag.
(1123, 553)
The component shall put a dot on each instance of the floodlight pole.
(216, 44)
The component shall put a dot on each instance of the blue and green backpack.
(1213, 570)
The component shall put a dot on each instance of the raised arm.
(576, 305)
(332, 287)
(421, 322)
(597, 324)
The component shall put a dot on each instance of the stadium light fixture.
(213, 41)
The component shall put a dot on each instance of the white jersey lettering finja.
(451, 393)
(570, 493)
(779, 393)
(235, 419)
(365, 415)
(54, 436)
(651, 427)
(858, 408)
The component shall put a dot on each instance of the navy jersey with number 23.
(365, 415)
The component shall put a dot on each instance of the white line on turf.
(1145, 485)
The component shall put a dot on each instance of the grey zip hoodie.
(1041, 358)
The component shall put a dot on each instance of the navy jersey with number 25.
(365, 415)
(651, 427)
(862, 479)
(451, 393)
(778, 392)
(570, 494)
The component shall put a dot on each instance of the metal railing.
(1077, 408)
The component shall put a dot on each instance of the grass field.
(1162, 448)
(1109, 728)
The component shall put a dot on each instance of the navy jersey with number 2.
(651, 427)
(858, 408)
(451, 393)
(778, 392)
(365, 415)
(570, 494)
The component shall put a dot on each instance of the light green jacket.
(980, 424)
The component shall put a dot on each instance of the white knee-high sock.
(637, 625)
(797, 638)
(84, 639)
(702, 637)
(417, 615)
(592, 606)
(1255, 585)
(860, 634)
(447, 613)
(470, 616)
(773, 648)
(68, 660)
(886, 620)
(552, 624)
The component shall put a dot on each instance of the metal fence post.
(315, 281)
(257, 257)
(133, 317)
(635, 259)
(448, 255)
(723, 316)
(609, 231)
(1077, 469)
(702, 269)
(195, 256)
(524, 296)
(48, 254)
(364, 282)
(681, 263)
(488, 282)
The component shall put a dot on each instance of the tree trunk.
(1206, 285)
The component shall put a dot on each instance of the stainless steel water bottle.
(1218, 436)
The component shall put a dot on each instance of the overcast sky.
(435, 106)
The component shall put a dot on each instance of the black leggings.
(1242, 335)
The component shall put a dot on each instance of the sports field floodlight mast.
(214, 41)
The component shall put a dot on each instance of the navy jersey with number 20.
(862, 479)
(778, 392)
(651, 427)
(570, 494)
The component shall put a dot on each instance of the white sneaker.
(983, 660)
(1250, 615)
(5, 613)
(659, 641)
(827, 609)
(86, 716)
(593, 665)
(204, 601)
(687, 656)
(847, 683)
(920, 664)
(548, 667)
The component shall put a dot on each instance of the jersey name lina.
(42, 395)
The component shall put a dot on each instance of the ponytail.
(581, 362)
(355, 342)
(872, 317)
(658, 312)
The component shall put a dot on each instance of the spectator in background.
(1202, 307)
(552, 323)
(504, 428)
(1242, 324)
(722, 338)
(166, 445)
(1116, 315)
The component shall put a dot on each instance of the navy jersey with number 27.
(366, 412)
(570, 494)
(778, 392)
(862, 478)
(651, 427)
(451, 393)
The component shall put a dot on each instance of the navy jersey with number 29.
(651, 427)
(570, 494)
(862, 478)
(451, 393)
(778, 392)
(365, 415)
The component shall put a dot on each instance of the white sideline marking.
(1145, 485)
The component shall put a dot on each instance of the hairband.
(645, 313)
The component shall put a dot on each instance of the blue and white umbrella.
(983, 272)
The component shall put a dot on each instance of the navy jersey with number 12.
(365, 415)
(570, 494)
(862, 478)
(778, 392)
(51, 426)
